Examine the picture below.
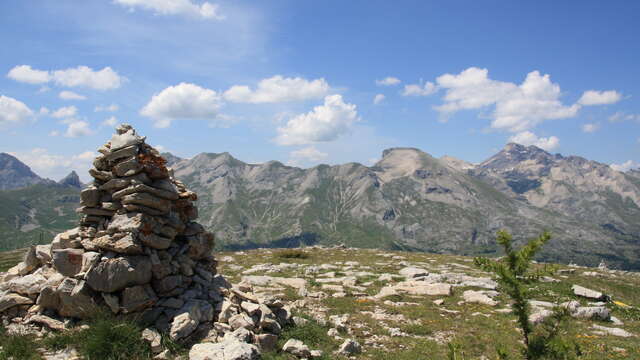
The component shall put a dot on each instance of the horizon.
(303, 84)
(80, 175)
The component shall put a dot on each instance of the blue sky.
(307, 82)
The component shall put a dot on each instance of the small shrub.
(292, 254)
(60, 341)
(515, 278)
(113, 339)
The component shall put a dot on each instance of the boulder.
(76, 299)
(155, 241)
(229, 349)
(148, 200)
(90, 196)
(67, 262)
(127, 244)
(349, 347)
(297, 348)
(128, 167)
(115, 274)
(592, 312)
(9, 300)
(588, 293)
(480, 297)
(137, 298)
(154, 339)
(27, 285)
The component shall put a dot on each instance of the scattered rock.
(349, 347)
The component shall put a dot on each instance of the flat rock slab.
(229, 349)
(480, 297)
(588, 293)
(413, 272)
(416, 288)
(611, 331)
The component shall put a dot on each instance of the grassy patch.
(17, 347)
(311, 334)
(291, 254)
(106, 338)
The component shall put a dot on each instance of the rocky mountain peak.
(15, 174)
(72, 180)
(514, 154)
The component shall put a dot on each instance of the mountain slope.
(407, 200)
(15, 174)
(34, 214)
(586, 190)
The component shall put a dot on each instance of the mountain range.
(408, 200)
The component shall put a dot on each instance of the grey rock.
(611, 331)
(148, 200)
(153, 338)
(592, 312)
(117, 273)
(90, 196)
(413, 272)
(296, 348)
(588, 293)
(9, 300)
(229, 349)
(137, 298)
(67, 262)
(349, 347)
(76, 299)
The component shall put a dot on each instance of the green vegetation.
(515, 276)
(33, 215)
(311, 334)
(17, 346)
(105, 337)
(292, 254)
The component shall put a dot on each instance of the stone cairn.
(138, 251)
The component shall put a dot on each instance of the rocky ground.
(372, 304)
(399, 305)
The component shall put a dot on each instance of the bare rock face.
(139, 251)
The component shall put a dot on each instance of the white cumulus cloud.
(378, 99)
(516, 108)
(621, 116)
(324, 123)
(528, 138)
(181, 102)
(77, 128)
(107, 108)
(594, 97)
(65, 112)
(308, 154)
(25, 74)
(420, 90)
(278, 89)
(625, 166)
(206, 10)
(590, 128)
(82, 76)
(110, 122)
(13, 112)
(388, 81)
(70, 95)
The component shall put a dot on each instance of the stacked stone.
(138, 250)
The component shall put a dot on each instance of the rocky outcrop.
(138, 250)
